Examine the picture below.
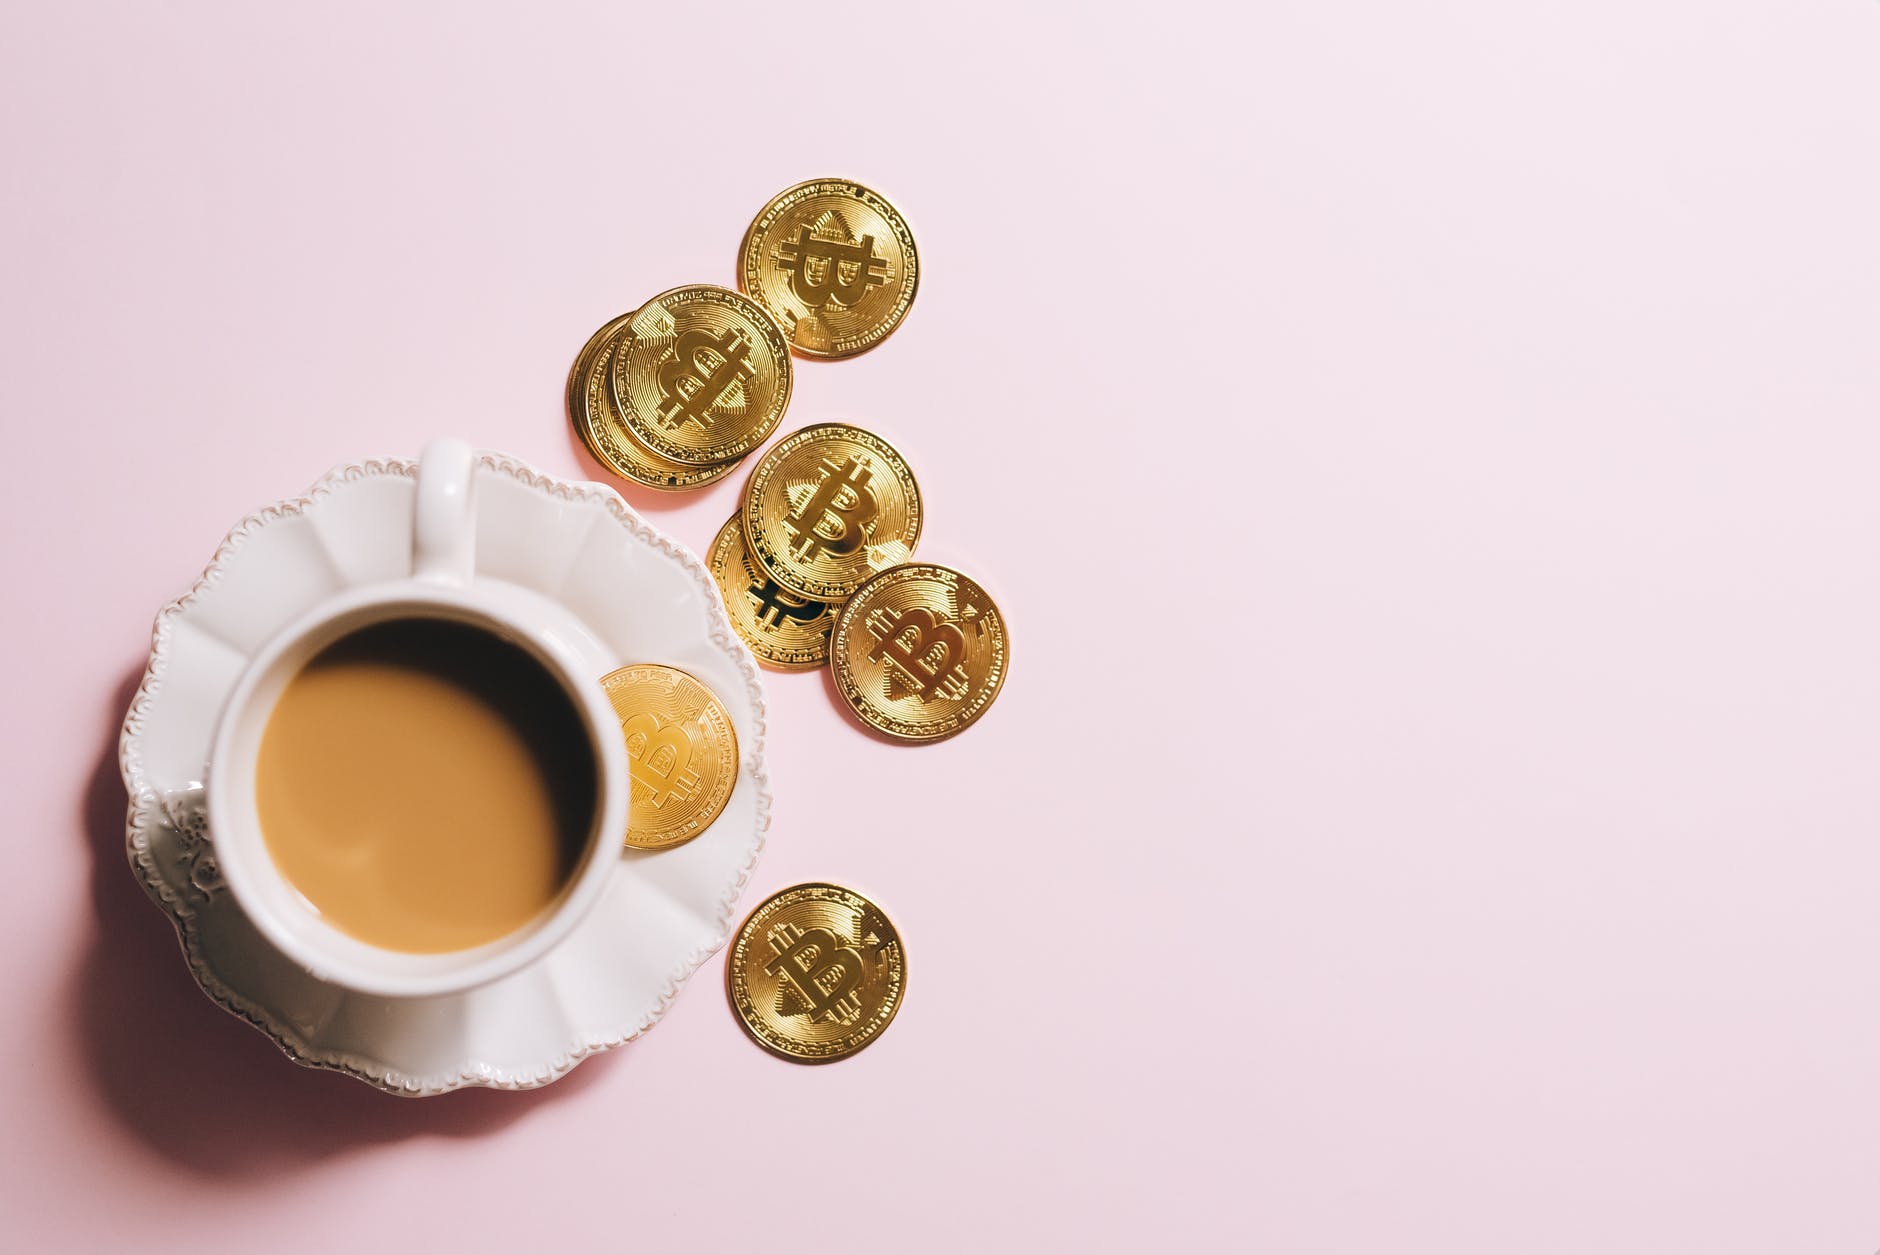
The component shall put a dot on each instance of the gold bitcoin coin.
(829, 506)
(834, 263)
(701, 375)
(681, 752)
(816, 973)
(919, 652)
(597, 422)
(782, 629)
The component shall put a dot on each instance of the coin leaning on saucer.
(597, 421)
(827, 507)
(919, 652)
(701, 375)
(834, 263)
(816, 973)
(682, 753)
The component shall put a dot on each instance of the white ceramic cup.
(443, 585)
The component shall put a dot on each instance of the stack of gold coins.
(816, 567)
(672, 395)
(675, 394)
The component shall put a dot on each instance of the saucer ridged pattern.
(639, 596)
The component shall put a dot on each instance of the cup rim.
(278, 910)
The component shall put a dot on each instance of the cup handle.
(444, 532)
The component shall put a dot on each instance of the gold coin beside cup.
(682, 753)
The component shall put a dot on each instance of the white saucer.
(643, 597)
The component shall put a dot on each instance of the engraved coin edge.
(734, 527)
(654, 475)
(904, 233)
(735, 951)
(766, 465)
(736, 756)
(766, 323)
(850, 689)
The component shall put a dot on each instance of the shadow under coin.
(193, 1083)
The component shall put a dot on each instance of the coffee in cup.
(425, 785)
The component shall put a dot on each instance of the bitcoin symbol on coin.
(682, 753)
(843, 502)
(918, 651)
(816, 972)
(703, 368)
(659, 756)
(828, 506)
(834, 263)
(819, 974)
(824, 269)
(909, 641)
(774, 606)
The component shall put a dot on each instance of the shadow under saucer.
(189, 1080)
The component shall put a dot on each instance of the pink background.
(1426, 453)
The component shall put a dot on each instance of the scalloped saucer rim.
(606, 980)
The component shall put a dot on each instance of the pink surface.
(1426, 453)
